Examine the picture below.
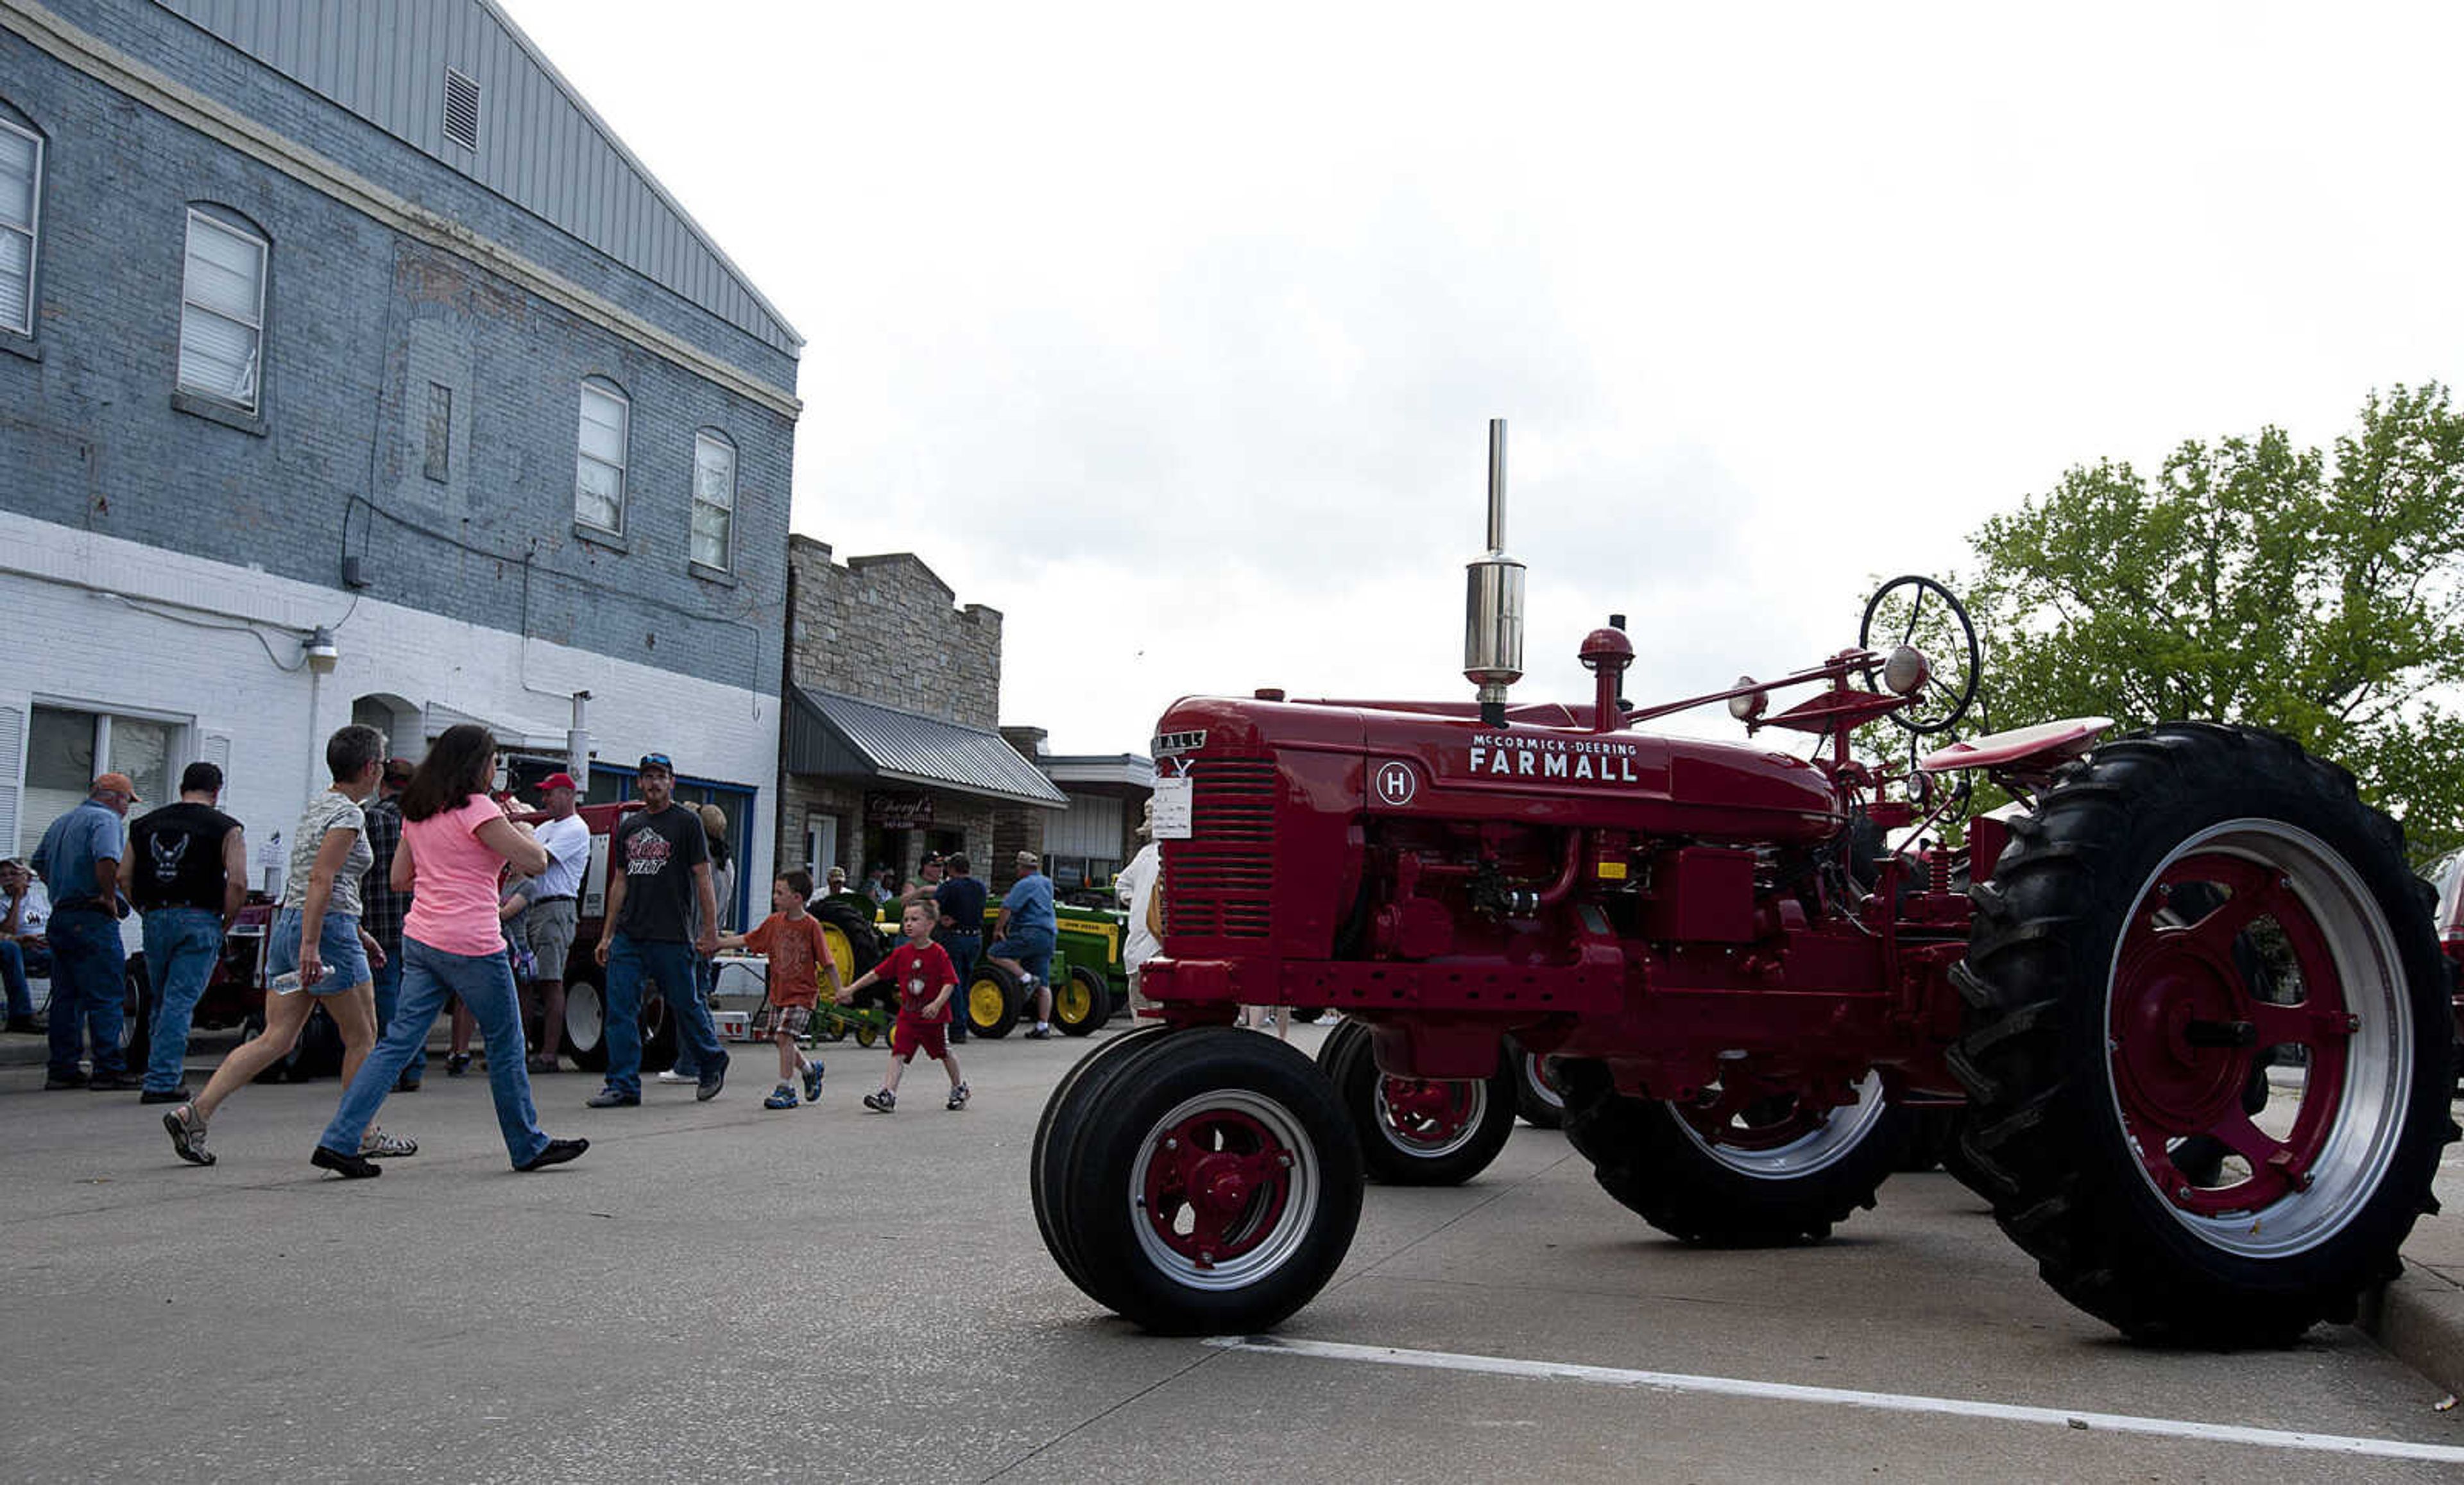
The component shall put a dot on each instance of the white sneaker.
(671, 1077)
(377, 1145)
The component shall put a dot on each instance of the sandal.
(542, 1064)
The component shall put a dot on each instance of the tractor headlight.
(1906, 671)
(1751, 706)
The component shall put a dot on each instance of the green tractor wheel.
(1082, 1003)
(993, 996)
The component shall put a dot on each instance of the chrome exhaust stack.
(1493, 600)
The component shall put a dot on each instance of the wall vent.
(461, 110)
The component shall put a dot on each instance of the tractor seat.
(2038, 749)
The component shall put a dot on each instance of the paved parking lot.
(722, 1292)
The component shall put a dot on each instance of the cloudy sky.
(1173, 332)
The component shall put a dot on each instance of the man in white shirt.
(548, 925)
(1135, 888)
(23, 912)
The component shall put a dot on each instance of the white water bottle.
(286, 983)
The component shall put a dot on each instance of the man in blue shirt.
(1025, 935)
(79, 862)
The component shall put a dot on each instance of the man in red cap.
(549, 923)
(79, 862)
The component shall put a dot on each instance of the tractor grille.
(1218, 883)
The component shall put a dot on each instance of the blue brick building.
(350, 322)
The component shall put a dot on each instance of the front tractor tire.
(2209, 1040)
(1196, 1182)
(1740, 1172)
(1416, 1131)
(1537, 1097)
(1082, 1003)
(994, 1000)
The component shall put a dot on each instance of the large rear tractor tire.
(993, 999)
(853, 940)
(2190, 909)
(1765, 1174)
(1416, 1131)
(1208, 1183)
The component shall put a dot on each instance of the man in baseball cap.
(549, 924)
(80, 863)
(662, 909)
(1025, 936)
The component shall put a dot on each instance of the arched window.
(713, 501)
(599, 458)
(21, 205)
(222, 308)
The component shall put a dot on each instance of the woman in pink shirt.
(455, 843)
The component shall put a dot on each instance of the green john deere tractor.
(1089, 982)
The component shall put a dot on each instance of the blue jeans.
(963, 949)
(705, 975)
(13, 974)
(89, 979)
(387, 980)
(669, 966)
(430, 976)
(182, 944)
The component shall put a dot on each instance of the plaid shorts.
(772, 1019)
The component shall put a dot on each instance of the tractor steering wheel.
(1919, 611)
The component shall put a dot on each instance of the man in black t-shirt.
(188, 872)
(658, 868)
(960, 899)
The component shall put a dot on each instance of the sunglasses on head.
(658, 760)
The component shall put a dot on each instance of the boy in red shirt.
(797, 954)
(925, 979)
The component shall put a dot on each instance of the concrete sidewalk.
(2420, 1316)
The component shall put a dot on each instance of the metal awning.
(838, 736)
(437, 717)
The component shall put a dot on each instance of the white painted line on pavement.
(1841, 1397)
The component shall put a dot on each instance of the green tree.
(2318, 594)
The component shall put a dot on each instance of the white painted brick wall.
(68, 643)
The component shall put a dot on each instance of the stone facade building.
(370, 378)
(891, 745)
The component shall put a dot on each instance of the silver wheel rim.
(2378, 1054)
(1434, 1149)
(1292, 1225)
(583, 1023)
(1534, 1077)
(1816, 1149)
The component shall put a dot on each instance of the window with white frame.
(221, 312)
(713, 499)
(67, 746)
(21, 197)
(599, 460)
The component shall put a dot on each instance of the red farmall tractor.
(2185, 985)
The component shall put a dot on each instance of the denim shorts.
(1031, 948)
(338, 945)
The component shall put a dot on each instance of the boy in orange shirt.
(798, 955)
(925, 979)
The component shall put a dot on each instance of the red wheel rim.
(1429, 1115)
(1215, 1186)
(2201, 994)
(2188, 1011)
